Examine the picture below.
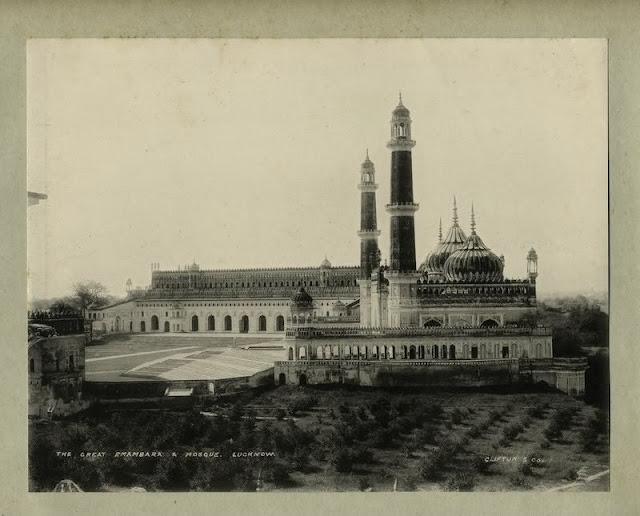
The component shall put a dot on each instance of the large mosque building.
(452, 319)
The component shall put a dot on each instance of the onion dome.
(474, 261)
(302, 299)
(339, 306)
(367, 164)
(400, 109)
(455, 239)
(326, 264)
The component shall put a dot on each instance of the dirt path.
(580, 483)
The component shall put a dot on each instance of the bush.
(588, 439)
(280, 413)
(545, 445)
(553, 431)
(364, 484)
(410, 483)
(519, 481)
(510, 432)
(430, 468)
(525, 468)
(457, 416)
(536, 411)
(570, 474)
(342, 461)
(461, 481)
(480, 464)
(474, 431)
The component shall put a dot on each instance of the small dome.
(339, 305)
(367, 164)
(400, 110)
(532, 255)
(326, 264)
(302, 298)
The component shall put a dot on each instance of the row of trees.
(85, 295)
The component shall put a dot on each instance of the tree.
(89, 293)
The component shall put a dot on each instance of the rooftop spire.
(455, 212)
(400, 97)
(473, 221)
(440, 232)
(367, 153)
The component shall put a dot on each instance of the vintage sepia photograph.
(318, 265)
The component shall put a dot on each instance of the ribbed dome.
(455, 239)
(367, 164)
(302, 299)
(473, 262)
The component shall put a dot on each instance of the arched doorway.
(452, 352)
(244, 324)
(280, 323)
(474, 351)
(130, 326)
(434, 351)
(303, 379)
(227, 323)
(432, 323)
(444, 351)
(412, 352)
(489, 323)
(143, 326)
(194, 323)
(166, 326)
(211, 323)
(282, 379)
(262, 323)
(154, 323)
(118, 323)
(290, 353)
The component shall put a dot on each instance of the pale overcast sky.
(246, 153)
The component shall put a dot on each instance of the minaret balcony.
(402, 208)
(367, 234)
(399, 144)
(368, 187)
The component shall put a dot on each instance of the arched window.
(154, 322)
(489, 323)
(432, 323)
(452, 352)
(166, 326)
(295, 319)
(290, 353)
(434, 351)
(412, 352)
(32, 365)
(211, 323)
(280, 323)
(227, 323)
(301, 319)
(194, 323)
(262, 323)
(71, 363)
(244, 324)
(143, 326)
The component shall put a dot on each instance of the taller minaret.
(369, 252)
(401, 208)
(402, 273)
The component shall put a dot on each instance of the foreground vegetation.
(333, 439)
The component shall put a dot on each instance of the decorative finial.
(440, 232)
(367, 154)
(400, 97)
(455, 212)
(473, 221)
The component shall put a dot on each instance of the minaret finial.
(400, 97)
(473, 221)
(440, 232)
(455, 211)
(367, 153)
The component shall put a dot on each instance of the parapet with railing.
(310, 332)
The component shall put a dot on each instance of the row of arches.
(487, 323)
(420, 352)
(244, 325)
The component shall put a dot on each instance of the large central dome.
(474, 262)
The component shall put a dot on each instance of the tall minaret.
(402, 268)
(369, 252)
(401, 208)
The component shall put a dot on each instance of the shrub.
(545, 445)
(525, 421)
(536, 411)
(510, 432)
(342, 461)
(410, 483)
(362, 455)
(461, 481)
(364, 484)
(280, 413)
(588, 439)
(430, 468)
(525, 468)
(474, 431)
(570, 474)
(480, 464)
(519, 481)
(553, 431)
(456, 416)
